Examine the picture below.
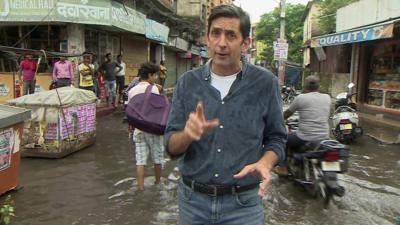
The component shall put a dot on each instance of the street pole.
(281, 68)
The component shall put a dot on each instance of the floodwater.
(97, 186)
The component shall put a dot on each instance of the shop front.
(65, 26)
(176, 59)
(382, 83)
(375, 65)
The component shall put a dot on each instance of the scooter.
(288, 93)
(346, 128)
(315, 167)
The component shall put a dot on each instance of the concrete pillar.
(76, 45)
(76, 38)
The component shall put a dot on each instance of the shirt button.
(216, 175)
(219, 150)
(221, 126)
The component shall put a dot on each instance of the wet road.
(97, 186)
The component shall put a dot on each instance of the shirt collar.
(207, 70)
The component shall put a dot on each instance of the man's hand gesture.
(197, 125)
(262, 169)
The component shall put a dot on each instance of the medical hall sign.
(358, 35)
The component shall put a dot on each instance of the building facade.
(364, 50)
(140, 30)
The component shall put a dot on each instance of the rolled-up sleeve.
(275, 133)
(176, 119)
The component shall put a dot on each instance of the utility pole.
(281, 68)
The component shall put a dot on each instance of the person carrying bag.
(147, 111)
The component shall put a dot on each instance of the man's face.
(153, 78)
(225, 42)
(62, 59)
(86, 59)
(109, 57)
(29, 57)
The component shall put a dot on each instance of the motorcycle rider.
(313, 108)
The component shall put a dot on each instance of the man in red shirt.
(28, 72)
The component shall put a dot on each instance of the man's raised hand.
(197, 125)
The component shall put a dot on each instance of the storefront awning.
(375, 32)
(109, 13)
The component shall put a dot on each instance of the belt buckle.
(214, 193)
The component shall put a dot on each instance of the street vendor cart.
(63, 121)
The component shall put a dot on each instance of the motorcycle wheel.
(312, 189)
(324, 194)
(342, 138)
(347, 139)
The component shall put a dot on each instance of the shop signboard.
(178, 43)
(281, 48)
(109, 13)
(185, 55)
(195, 49)
(127, 18)
(4, 90)
(204, 52)
(156, 31)
(357, 35)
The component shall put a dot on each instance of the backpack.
(148, 111)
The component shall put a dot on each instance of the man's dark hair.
(312, 83)
(108, 54)
(119, 56)
(231, 11)
(146, 69)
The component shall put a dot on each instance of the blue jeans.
(236, 209)
(63, 82)
(111, 88)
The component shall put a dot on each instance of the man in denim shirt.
(225, 125)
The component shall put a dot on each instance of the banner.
(357, 35)
(99, 12)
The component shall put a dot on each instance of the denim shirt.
(251, 123)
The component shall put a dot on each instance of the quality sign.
(358, 35)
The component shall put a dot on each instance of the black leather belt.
(216, 190)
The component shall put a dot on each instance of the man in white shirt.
(120, 76)
(146, 143)
(314, 109)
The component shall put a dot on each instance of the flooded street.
(97, 186)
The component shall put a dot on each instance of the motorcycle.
(346, 128)
(315, 166)
(288, 94)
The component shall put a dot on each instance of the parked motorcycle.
(346, 128)
(315, 167)
(288, 93)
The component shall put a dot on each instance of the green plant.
(268, 31)
(7, 211)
